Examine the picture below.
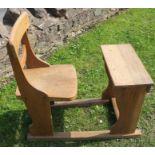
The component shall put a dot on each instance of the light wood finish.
(129, 102)
(80, 103)
(128, 83)
(19, 30)
(124, 66)
(38, 82)
(85, 135)
(59, 82)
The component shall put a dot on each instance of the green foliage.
(135, 26)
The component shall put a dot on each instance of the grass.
(136, 26)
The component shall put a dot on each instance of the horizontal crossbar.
(84, 135)
(80, 103)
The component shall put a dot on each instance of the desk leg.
(108, 92)
(129, 101)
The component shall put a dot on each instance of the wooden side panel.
(36, 101)
(115, 107)
(24, 56)
(31, 60)
(129, 102)
(19, 30)
(80, 103)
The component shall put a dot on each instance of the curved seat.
(58, 82)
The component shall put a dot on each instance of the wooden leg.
(108, 93)
(40, 112)
(129, 101)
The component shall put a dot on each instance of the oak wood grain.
(125, 67)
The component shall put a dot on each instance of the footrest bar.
(84, 135)
(80, 103)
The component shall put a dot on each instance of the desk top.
(124, 66)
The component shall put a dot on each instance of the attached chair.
(38, 82)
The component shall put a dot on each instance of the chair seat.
(59, 82)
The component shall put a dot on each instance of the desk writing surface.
(124, 65)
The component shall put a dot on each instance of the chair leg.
(40, 112)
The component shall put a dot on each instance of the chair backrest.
(18, 37)
(24, 59)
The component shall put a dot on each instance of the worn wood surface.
(58, 82)
(124, 66)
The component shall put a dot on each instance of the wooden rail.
(84, 135)
(80, 103)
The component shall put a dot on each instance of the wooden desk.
(128, 83)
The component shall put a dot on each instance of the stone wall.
(49, 29)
